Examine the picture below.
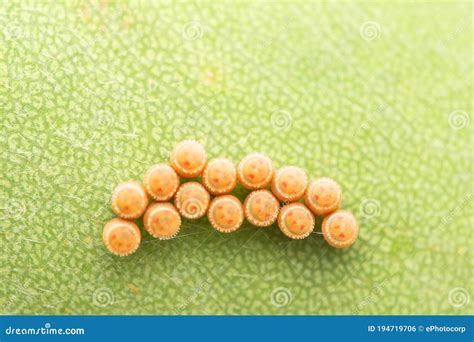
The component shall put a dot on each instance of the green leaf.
(377, 96)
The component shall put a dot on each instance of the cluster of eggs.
(192, 200)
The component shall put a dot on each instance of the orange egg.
(189, 159)
(261, 208)
(220, 176)
(162, 221)
(121, 237)
(192, 200)
(161, 182)
(129, 200)
(289, 183)
(296, 221)
(225, 213)
(323, 196)
(340, 229)
(255, 171)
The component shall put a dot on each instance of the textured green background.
(377, 96)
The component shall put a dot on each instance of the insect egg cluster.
(285, 196)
